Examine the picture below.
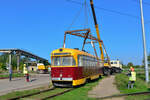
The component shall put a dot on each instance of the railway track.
(60, 93)
(128, 94)
(40, 93)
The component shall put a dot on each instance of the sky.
(38, 26)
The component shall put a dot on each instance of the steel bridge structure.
(19, 53)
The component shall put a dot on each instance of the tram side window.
(86, 61)
(80, 60)
(95, 62)
(89, 59)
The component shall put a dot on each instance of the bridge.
(19, 53)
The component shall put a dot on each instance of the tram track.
(123, 95)
(28, 95)
(58, 94)
(41, 93)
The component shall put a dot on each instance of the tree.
(130, 64)
(4, 59)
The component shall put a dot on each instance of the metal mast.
(144, 44)
(97, 30)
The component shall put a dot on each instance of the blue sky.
(39, 25)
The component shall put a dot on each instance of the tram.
(72, 67)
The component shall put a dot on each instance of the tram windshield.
(63, 61)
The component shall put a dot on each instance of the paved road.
(16, 84)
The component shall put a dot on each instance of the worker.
(131, 68)
(132, 77)
(27, 77)
(10, 74)
(25, 71)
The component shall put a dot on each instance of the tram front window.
(66, 61)
(56, 61)
(63, 61)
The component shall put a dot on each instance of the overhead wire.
(146, 3)
(86, 15)
(108, 10)
(113, 11)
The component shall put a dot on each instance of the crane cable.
(75, 18)
(84, 5)
(86, 15)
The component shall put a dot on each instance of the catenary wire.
(108, 10)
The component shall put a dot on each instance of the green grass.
(18, 93)
(140, 86)
(44, 94)
(79, 93)
(13, 75)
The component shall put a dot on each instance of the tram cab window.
(56, 61)
(68, 61)
(63, 61)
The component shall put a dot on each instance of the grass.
(45, 94)
(19, 93)
(13, 75)
(79, 93)
(140, 86)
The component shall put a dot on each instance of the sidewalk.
(21, 84)
(106, 87)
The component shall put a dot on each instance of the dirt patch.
(105, 88)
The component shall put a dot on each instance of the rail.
(43, 91)
(128, 94)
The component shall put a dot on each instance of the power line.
(112, 11)
(108, 10)
(117, 12)
(146, 3)
(75, 18)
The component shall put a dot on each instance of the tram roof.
(64, 51)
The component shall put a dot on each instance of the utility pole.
(18, 61)
(10, 68)
(144, 44)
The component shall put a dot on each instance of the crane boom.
(97, 30)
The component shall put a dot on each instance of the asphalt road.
(17, 84)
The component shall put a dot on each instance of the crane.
(107, 65)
